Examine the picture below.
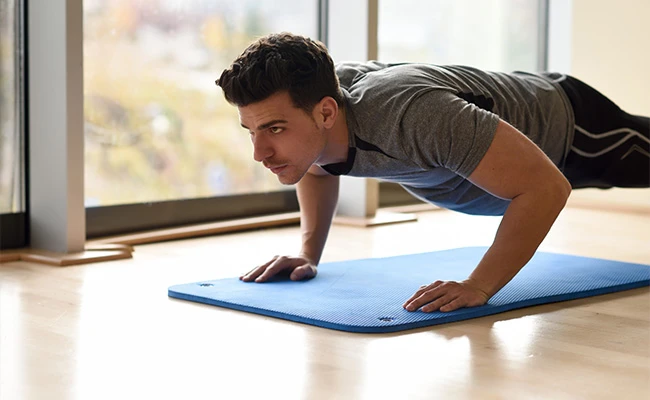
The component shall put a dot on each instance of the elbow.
(560, 190)
(566, 187)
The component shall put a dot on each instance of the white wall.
(610, 50)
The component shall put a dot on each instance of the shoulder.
(350, 72)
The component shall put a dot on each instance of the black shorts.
(610, 148)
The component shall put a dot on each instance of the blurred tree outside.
(156, 125)
(9, 135)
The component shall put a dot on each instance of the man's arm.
(517, 169)
(513, 168)
(318, 194)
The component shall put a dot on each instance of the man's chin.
(288, 180)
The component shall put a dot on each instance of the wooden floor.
(109, 331)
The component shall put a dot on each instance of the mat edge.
(476, 312)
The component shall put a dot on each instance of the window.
(162, 146)
(157, 127)
(498, 35)
(12, 182)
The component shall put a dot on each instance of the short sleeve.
(443, 130)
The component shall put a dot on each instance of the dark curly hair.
(282, 62)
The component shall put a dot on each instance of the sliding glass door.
(162, 147)
(12, 146)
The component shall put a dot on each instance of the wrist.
(480, 287)
(312, 260)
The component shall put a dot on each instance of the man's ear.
(326, 112)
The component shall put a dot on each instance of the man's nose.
(261, 149)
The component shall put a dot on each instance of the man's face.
(285, 139)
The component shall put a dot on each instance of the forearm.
(318, 196)
(525, 224)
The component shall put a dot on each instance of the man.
(468, 140)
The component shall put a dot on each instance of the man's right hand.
(298, 267)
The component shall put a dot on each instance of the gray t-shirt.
(427, 127)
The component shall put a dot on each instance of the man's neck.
(337, 144)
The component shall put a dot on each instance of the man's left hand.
(446, 296)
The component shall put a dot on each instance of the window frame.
(129, 218)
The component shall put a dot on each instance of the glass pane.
(11, 149)
(156, 125)
(498, 35)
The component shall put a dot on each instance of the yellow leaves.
(123, 16)
(214, 33)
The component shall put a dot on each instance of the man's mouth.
(277, 170)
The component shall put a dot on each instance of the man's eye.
(276, 129)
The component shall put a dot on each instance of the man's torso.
(427, 127)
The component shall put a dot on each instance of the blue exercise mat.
(367, 295)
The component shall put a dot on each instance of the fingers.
(446, 297)
(430, 296)
(300, 268)
(453, 305)
(303, 272)
(257, 271)
(432, 300)
(423, 289)
(279, 265)
(446, 303)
